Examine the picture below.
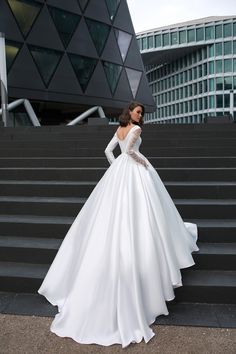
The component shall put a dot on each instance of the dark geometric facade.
(81, 52)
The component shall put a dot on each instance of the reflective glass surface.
(174, 38)
(227, 30)
(227, 48)
(218, 66)
(83, 67)
(199, 34)
(218, 31)
(228, 82)
(227, 100)
(123, 40)
(99, 32)
(227, 65)
(65, 22)
(158, 40)
(166, 39)
(134, 77)
(219, 83)
(209, 32)
(191, 35)
(25, 12)
(46, 61)
(218, 49)
(113, 72)
(182, 37)
(12, 50)
(112, 6)
(219, 101)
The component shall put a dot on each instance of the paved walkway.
(31, 335)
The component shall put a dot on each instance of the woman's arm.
(134, 136)
(109, 149)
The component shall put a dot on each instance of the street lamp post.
(3, 80)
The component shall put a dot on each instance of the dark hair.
(125, 117)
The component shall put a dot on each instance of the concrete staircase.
(47, 173)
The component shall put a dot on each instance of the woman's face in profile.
(136, 114)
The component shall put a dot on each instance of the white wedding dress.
(122, 256)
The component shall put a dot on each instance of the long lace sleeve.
(135, 135)
(109, 149)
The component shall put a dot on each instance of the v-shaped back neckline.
(126, 134)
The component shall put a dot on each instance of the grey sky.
(148, 14)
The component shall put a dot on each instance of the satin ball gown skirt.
(120, 260)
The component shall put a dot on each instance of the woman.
(122, 256)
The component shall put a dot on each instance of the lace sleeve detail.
(134, 136)
(109, 149)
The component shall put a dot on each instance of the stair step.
(198, 161)
(94, 174)
(206, 285)
(65, 206)
(216, 256)
(54, 188)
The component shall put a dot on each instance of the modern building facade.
(191, 69)
(70, 55)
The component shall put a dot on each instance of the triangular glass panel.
(46, 61)
(123, 40)
(99, 32)
(83, 4)
(112, 6)
(25, 13)
(12, 50)
(83, 68)
(113, 72)
(65, 22)
(134, 77)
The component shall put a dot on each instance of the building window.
(46, 61)
(182, 37)
(150, 42)
(227, 100)
(12, 50)
(200, 34)
(227, 65)
(211, 51)
(227, 48)
(218, 49)
(112, 7)
(211, 68)
(219, 84)
(234, 84)
(234, 29)
(228, 82)
(99, 32)
(234, 65)
(219, 101)
(123, 40)
(174, 38)
(209, 33)
(144, 42)
(218, 66)
(166, 39)
(234, 47)
(113, 72)
(191, 35)
(65, 23)
(227, 30)
(211, 101)
(211, 85)
(25, 13)
(218, 31)
(134, 77)
(83, 68)
(158, 40)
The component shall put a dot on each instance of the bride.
(120, 260)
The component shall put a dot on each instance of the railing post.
(3, 80)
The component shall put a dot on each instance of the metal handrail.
(28, 107)
(87, 114)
